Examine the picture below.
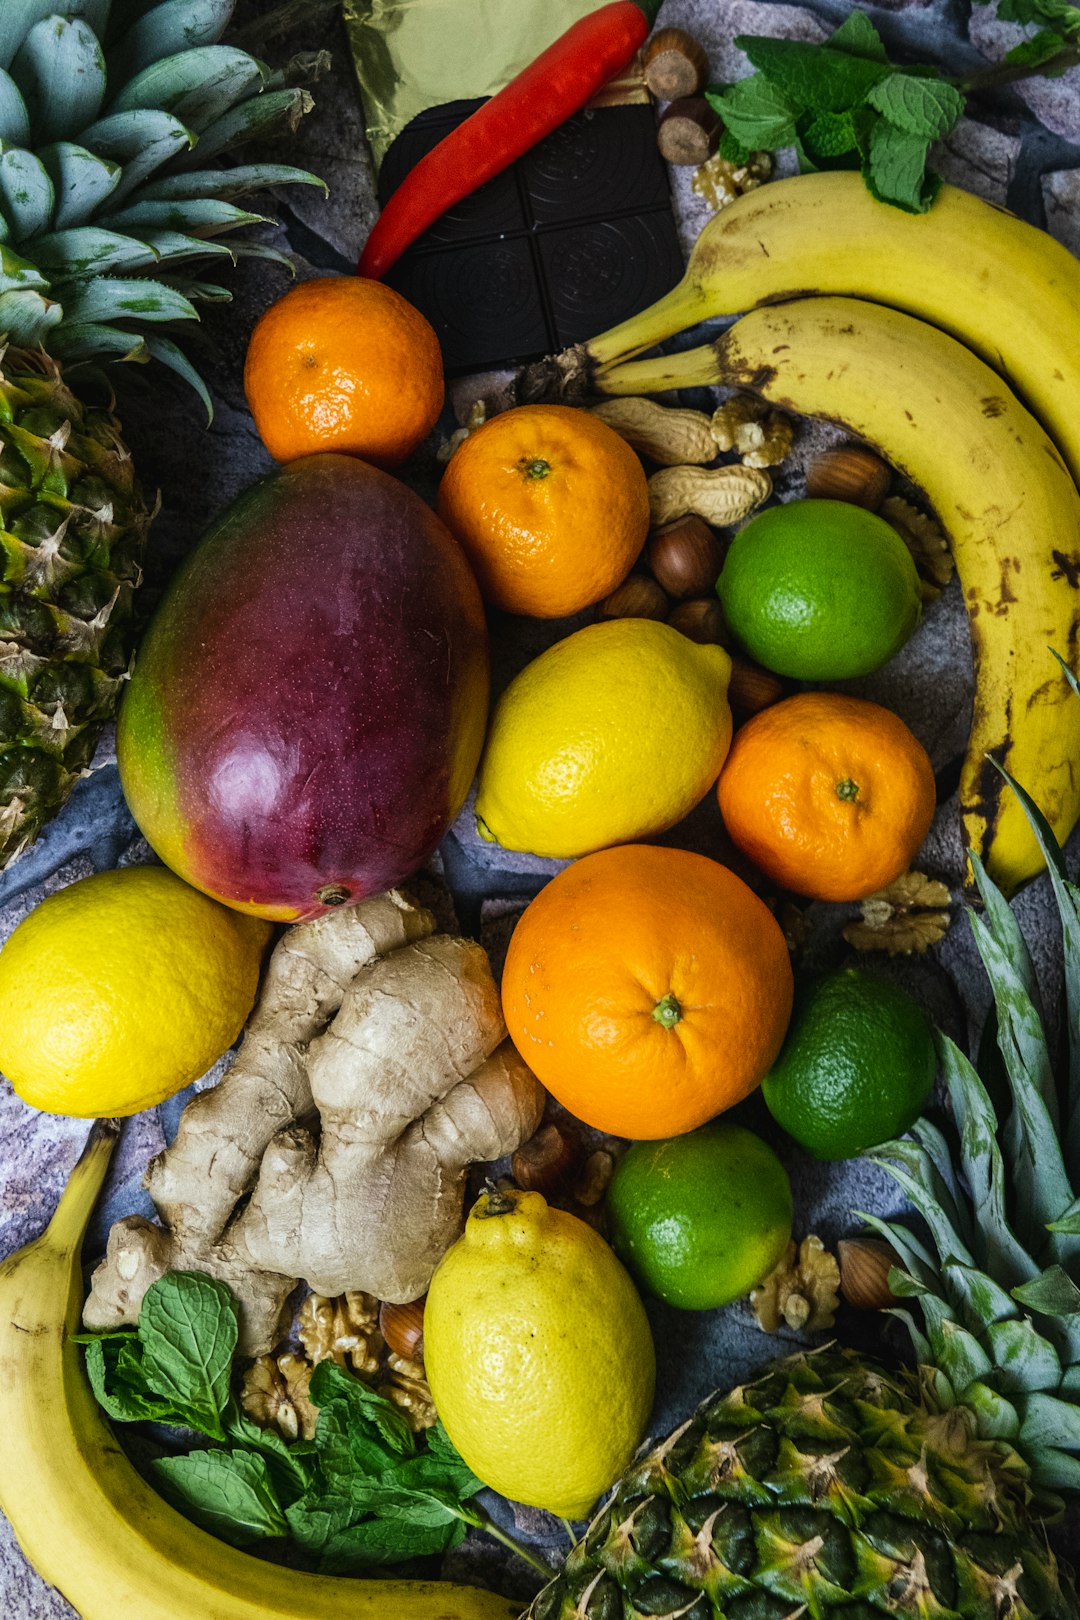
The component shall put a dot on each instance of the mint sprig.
(365, 1492)
(843, 105)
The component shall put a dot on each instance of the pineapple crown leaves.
(114, 117)
(999, 1284)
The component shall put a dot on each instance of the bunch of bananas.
(918, 333)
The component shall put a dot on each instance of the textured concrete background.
(1023, 149)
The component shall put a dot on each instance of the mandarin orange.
(648, 989)
(829, 795)
(551, 507)
(346, 364)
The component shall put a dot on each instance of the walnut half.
(802, 1292)
(274, 1394)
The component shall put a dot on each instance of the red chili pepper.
(562, 79)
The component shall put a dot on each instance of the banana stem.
(72, 1213)
(685, 305)
(693, 368)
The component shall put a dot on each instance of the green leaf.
(442, 1448)
(344, 1538)
(199, 217)
(198, 87)
(166, 352)
(188, 1331)
(292, 1464)
(240, 181)
(1041, 47)
(17, 19)
(813, 78)
(1048, 1421)
(14, 118)
(830, 134)
(1058, 13)
(756, 113)
(730, 149)
(27, 316)
(135, 298)
(115, 1368)
(175, 25)
(228, 1492)
(896, 168)
(80, 180)
(87, 341)
(370, 1412)
(961, 1357)
(1053, 1293)
(262, 117)
(174, 247)
(858, 37)
(27, 197)
(1026, 1361)
(997, 1417)
(86, 250)
(60, 72)
(142, 141)
(929, 107)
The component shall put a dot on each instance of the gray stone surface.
(198, 469)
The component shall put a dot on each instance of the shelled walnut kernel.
(274, 1394)
(801, 1292)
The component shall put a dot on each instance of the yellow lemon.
(538, 1354)
(608, 737)
(121, 989)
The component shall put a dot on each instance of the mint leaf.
(812, 78)
(229, 1493)
(371, 1414)
(341, 1540)
(1059, 12)
(756, 114)
(858, 36)
(114, 1366)
(829, 135)
(187, 1329)
(1041, 47)
(291, 1463)
(921, 106)
(731, 150)
(896, 168)
(442, 1448)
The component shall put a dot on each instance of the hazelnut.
(402, 1326)
(595, 1177)
(675, 64)
(686, 557)
(688, 132)
(865, 1264)
(701, 619)
(546, 1162)
(853, 474)
(638, 597)
(751, 687)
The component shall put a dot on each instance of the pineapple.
(114, 119)
(832, 1485)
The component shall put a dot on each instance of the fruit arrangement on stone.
(412, 1243)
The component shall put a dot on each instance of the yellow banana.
(83, 1516)
(1004, 288)
(1002, 494)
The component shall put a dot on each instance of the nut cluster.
(801, 1292)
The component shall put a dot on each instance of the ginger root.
(373, 1072)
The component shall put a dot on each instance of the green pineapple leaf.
(27, 316)
(227, 184)
(86, 250)
(198, 87)
(118, 298)
(80, 180)
(1024, 1358)
(176, 25)
(201, 216)
(169, 354)
(60, 72)
(1053, 1293)
(93, 339)
(276, 112)
(27, 197)
(142, 140)
(14, 118)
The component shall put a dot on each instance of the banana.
(89, 1523)
(1001, 492)
(1004, 288)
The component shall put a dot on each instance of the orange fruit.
(648, 989)
(830, 795)
(551, 507)
(343, 363)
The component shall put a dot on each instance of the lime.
(856, 1069)
(820, 590)
(701, 1219)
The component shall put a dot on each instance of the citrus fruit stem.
(667, 1011)
(535, 467)
(847, 789)
(495, 1203)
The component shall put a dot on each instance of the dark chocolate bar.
(573, 237)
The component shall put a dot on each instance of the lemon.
(121, 989)
(538, 1354)
(610, 736)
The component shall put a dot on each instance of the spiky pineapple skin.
(828, 1486)
(73, 526)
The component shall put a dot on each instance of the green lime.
(700, 1219)
(820, 590)
(857, 1066)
